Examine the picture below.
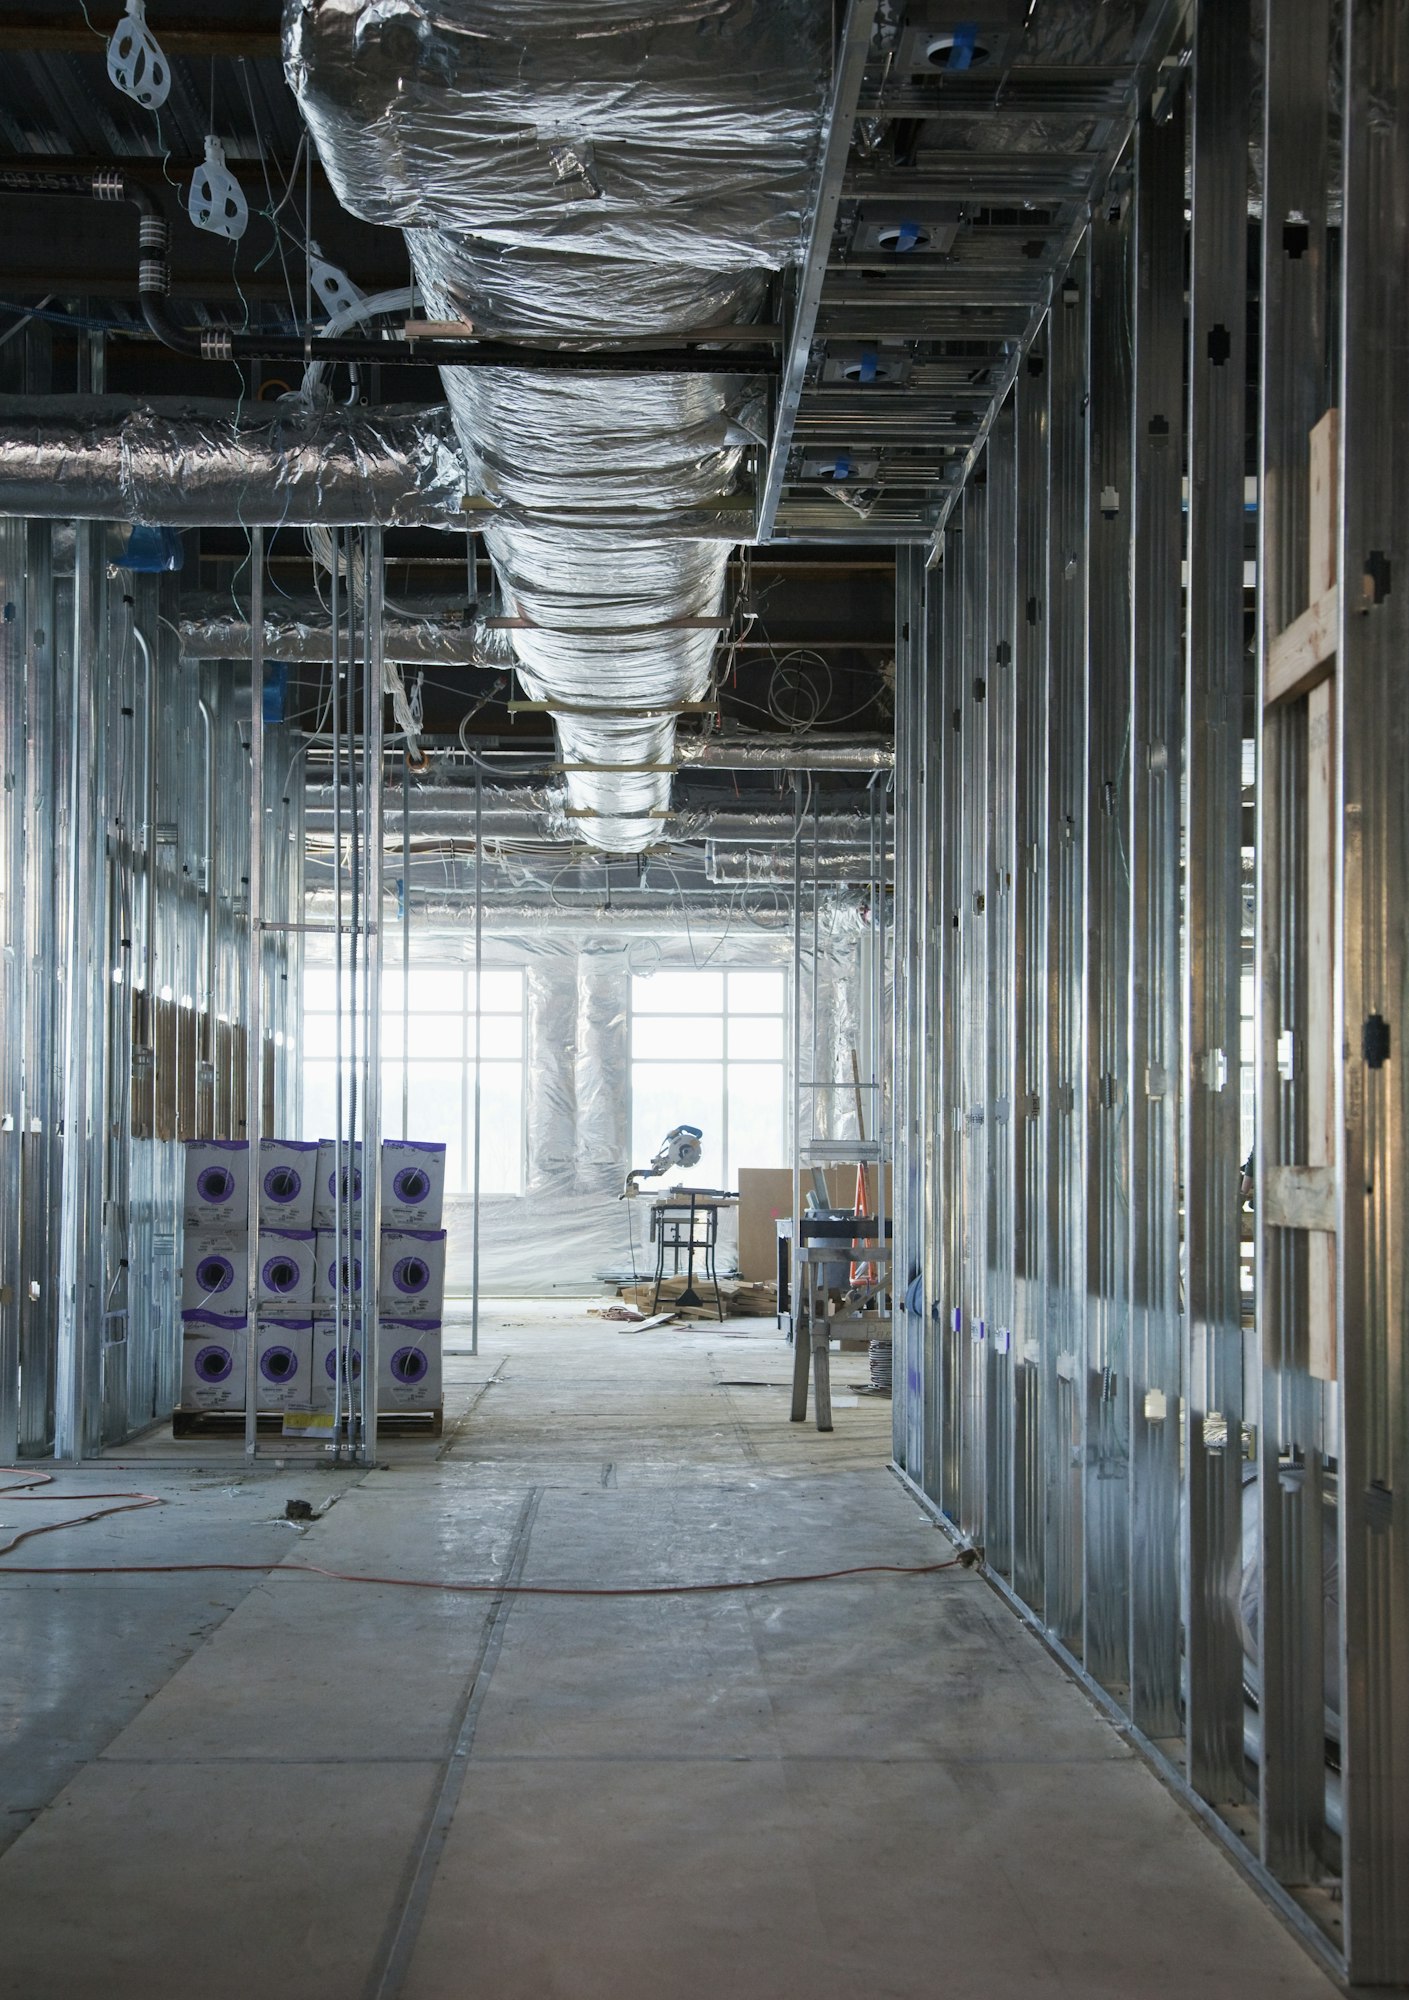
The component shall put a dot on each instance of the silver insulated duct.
(573, 171)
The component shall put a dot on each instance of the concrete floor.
(290, 1787)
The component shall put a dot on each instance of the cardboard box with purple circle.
(287, 1258)
(408, 1364)
(288, 1173)
(325, 1192)
(413, 1184)
(412, 1281)
(325, 1271)
(283, 1362)
(323, 1386)
(215, 1271)
(217, 1184)
(213, 1353)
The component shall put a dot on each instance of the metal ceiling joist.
(836, 144)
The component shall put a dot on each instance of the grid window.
(707, 1049)
(428, 1067)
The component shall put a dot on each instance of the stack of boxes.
(411, 1297)
(214, 1275)
(295, 1329)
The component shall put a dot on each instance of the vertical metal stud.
(1157, 732)
(1030, 963)
(78, 1361)
(1373, 1121)
(971, 1001)
(1064, 1343)
(1294, 1494)
(1111, 517)
(254, 1004)
(1213, 898)
(1000, 1084)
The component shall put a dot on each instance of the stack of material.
(880, 1367)
(411, 1273)
(740, 1300)
(296, 1279)
(215, 1275)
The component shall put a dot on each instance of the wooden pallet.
(270, 1423)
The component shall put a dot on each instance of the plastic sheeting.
(584, 171)
(102, 458)
(569, 1231)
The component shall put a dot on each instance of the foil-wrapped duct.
(189, 463)
(579, 171)
(444, 635)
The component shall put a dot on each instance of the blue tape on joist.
(958, 1319)
(961, 51)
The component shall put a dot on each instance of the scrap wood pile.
(740, 1299)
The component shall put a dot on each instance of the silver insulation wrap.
(444, 635)
(576, 172)
(102, 458)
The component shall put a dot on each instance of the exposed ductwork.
(569, 171)
(782, 752)
(729, 862)
(435, 634)
(102, 458)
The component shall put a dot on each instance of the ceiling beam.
(252, 31)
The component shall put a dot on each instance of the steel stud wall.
(124, 825)
(1195, 1490)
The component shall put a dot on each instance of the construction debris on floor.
(740, 1300)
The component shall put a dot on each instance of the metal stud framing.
(1373, 1097)
(138, 876)
(1158, 1449)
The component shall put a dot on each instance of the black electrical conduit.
(219, 343)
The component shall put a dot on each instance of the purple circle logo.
(412, 1184)
(354, 1364)
(409, 1365)
(356, 1185)
(349, 1285)
(215, 1183)
(213, 1364)
(278, 1364)
(410, 1275)
(282, 1184)
(281, 1273)
(215, 1274)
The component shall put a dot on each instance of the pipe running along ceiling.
(571, 171)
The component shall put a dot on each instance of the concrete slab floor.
(310, 1789)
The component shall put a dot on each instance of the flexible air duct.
(430, 635)
(102, 458)
(573, 171)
